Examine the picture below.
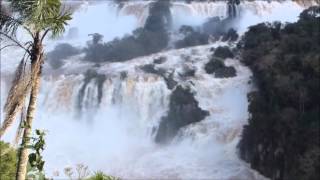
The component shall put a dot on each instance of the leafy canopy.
(35, 16)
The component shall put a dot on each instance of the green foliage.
(283, 132)
(8, 161)
(101, 176)
(35, 16)
(41, 15)
(35, 159)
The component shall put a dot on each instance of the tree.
(38, 18)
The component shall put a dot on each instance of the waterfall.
(107, 119)
(119, 128)
(140, 9)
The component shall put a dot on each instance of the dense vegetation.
(216, 63)
(212, 30)
(8, 161)
(282, 138)
(183, 110)
(152, 38)
(61, 52)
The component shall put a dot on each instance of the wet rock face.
(184, 110)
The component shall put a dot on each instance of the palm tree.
(38, 18)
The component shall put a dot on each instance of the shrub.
(101, 176)
(213, 65)
(8, 161)
(223, 52)
(192, 38)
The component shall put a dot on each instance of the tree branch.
(16, 42)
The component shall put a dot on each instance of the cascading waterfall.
(116, 133)
(261, 8)
(107, 119)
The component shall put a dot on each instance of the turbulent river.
(110, 126)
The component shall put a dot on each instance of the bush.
(8, 161)
(101, 176)
(223, 52)
(219, 69)
(213, 65)
(192, 38)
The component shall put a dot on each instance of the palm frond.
(40, 15)
(9, 25)
(16, 97)
(57, 23)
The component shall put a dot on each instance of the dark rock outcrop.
(183, 110)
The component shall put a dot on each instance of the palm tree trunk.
(36, 63)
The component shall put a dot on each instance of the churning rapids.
(112, 127)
